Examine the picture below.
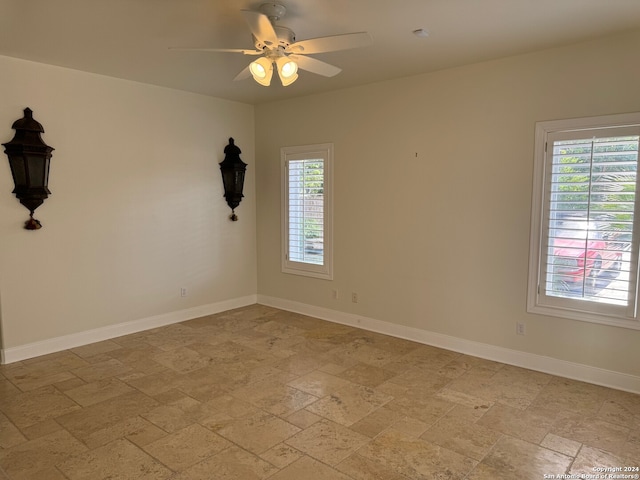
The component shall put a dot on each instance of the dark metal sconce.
(29, 159)
(233, 169)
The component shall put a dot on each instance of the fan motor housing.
(285, 38)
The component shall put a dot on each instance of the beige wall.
(433, 180)
(136, 210)
(432, 199)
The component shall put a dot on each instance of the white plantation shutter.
(307, 213)
(306, 210)
(591, 216)
(584, 253)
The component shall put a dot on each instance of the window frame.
(583, 310)
(322, 151)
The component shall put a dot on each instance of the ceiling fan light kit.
(287, 70)
(262, 71)
(277, 45)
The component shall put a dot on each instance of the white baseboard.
(553, 366)
(30, 350)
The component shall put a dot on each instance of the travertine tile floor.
(260, 393)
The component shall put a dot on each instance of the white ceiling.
(131, 38)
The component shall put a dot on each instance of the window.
(307, 210)
(584, 255)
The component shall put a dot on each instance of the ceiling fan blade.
(246, 73)
(261, 27)
(332, 43)
(224, 50)
(314, 65)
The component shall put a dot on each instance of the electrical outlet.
(183, 292)
(354, 297)
(334, 294)
(520, 328)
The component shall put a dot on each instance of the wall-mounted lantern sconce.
(233, 169)
(29, 159)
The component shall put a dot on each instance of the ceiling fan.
(276, 45)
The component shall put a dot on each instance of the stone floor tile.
(571, 395)
(309, 469)
(415, 377)
(337, 368)
(410, 427)
(301, 363)
(517, 423)
(50, 473)
(282, 455)
(417, 404)
(259, 432)
(620, 412)
(186, 447)
(593, 432)
(426, 357)
(9, 433)
(53, 362)
(515, 458)
(278, 346)
(87, 421)
(487, 472)
(41, 429)
(471, 414)
(395, 345)
(260, 393)
(467, 362)
(278, 329)
(231, 464)
(182, 359)
(517, 387)
(26, 460)
(589, 457)
(470, 399)
(629, 401)
(70, 384)
(102, 370)
(376, 422)
(7, 390)
(31, 377)
(631, 450)
(327, 441)
(156, 383)
(232, 406)
(459, 435)
(117, 460)
(282, 400)
(416, 459)
(98, 391)
(319, 383)
(561, 445)
(361, 468)
(303, 418)
(169, 418)
(367, 354)
(349, 404)
(367, 375)
(30, 408)
(328, 332)
(135, 429)
(204, 384)
(173, 336)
